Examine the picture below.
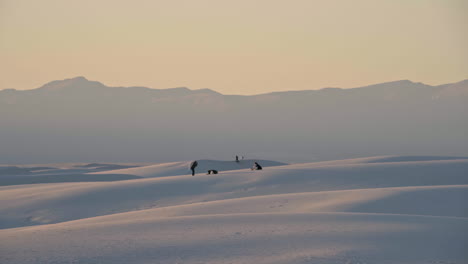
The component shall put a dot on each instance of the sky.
(233, 47)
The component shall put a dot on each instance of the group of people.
(194, 164)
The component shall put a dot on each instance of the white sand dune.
(53, 173)
(182, 168)
(444, 201)
(383, 159)
(321, 238)
(369, 210)
(51, 203)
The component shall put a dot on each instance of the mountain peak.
(207, 91)
(393, 86)
(71, 83)
(398, 82)
(78, 79)
(403, 81)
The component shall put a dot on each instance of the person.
(193, 165)
(256, 166)
(237, 158)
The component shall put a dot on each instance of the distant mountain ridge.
(77, 120)
(81, 82)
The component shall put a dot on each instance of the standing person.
(237, 158)
(256, 166)
(193, 165)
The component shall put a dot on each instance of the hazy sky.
(233, 46)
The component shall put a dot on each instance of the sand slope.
(242, 238)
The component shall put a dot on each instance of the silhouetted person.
(256, 166)
(193, 165)
(237, 158)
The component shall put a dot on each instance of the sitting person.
(212, 172)
(256, 166)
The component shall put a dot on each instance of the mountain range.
(77, 120)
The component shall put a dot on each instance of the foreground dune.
(370, 210)
(242, 238)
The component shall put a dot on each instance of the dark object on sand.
(256, 166)
(193, 165)
(212, 172)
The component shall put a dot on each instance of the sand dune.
(321, 238)
(54, 173)
(51, 203)
(370, 210)
(444, 201)
(182, 168)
